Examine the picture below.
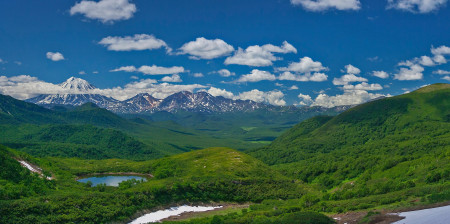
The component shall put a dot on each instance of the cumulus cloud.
(350, 69)
(305, 65)
(413, 72)
(151, 70)
(293, 87)
(442, 50)
(173, 78)
(323, 5)
(305, 99)
(220, 92)
(55, 56)
(363, 86)
(441, 72)
(348, 78)
(138, 42)
(347, 98)
(225, 73)
(416, 6)
(198, 75)
(315, 77)
(256, 76)
(107, 11)
(446, 78)
(203, 48)
(259, 56)
(274, 97)
(24, 87)
(380, 74)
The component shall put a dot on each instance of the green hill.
(214, 174)
(382, 146)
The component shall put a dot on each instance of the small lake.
(174, 211)
(439, 215)
(109, 180)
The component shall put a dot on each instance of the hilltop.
(382, 146)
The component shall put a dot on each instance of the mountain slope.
(373, 145)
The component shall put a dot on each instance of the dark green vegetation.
(389, 145)
(85, 131)
(285, 216)
(217, 174)
(390, 153)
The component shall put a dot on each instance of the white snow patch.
(173, 211)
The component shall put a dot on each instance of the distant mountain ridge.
(145, 103)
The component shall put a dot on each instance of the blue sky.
(304, 52)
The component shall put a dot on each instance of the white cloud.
(95, 72)
(259, 56)
(347, 98)
(305, 65)
(55, 56)
(225, 73)
(256, 76)
(1, 61)
(220, 92)
(348, 78)
(151, 70)
(380, 74)
(323, 5)
(125, 69)
(274, 97)
(107, 11)
(134, 77)
(414, 72)
(305, 99)
(426, 61)
(315, 77)
(138, 42)
(363, 86)
(293, 87)
(350, 69)
(442, 50)
(24, 87)
(416, 6)
(203, 48)
(157, 70)
(17, 62)
(440, 59)
(173, 78)
(82, 73)
(446, 78)
(198, 75)
(441, 72)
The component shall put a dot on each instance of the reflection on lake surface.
(440, 215)
(109, 180)
(174, 211)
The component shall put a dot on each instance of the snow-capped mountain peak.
(77, 84)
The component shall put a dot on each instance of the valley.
(355, 161)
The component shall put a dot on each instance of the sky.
(281, 52)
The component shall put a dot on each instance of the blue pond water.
(109, 180)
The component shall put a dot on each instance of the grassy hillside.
(215, 174)
(82, 141)
(383, 146)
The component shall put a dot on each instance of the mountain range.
(81, 93)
